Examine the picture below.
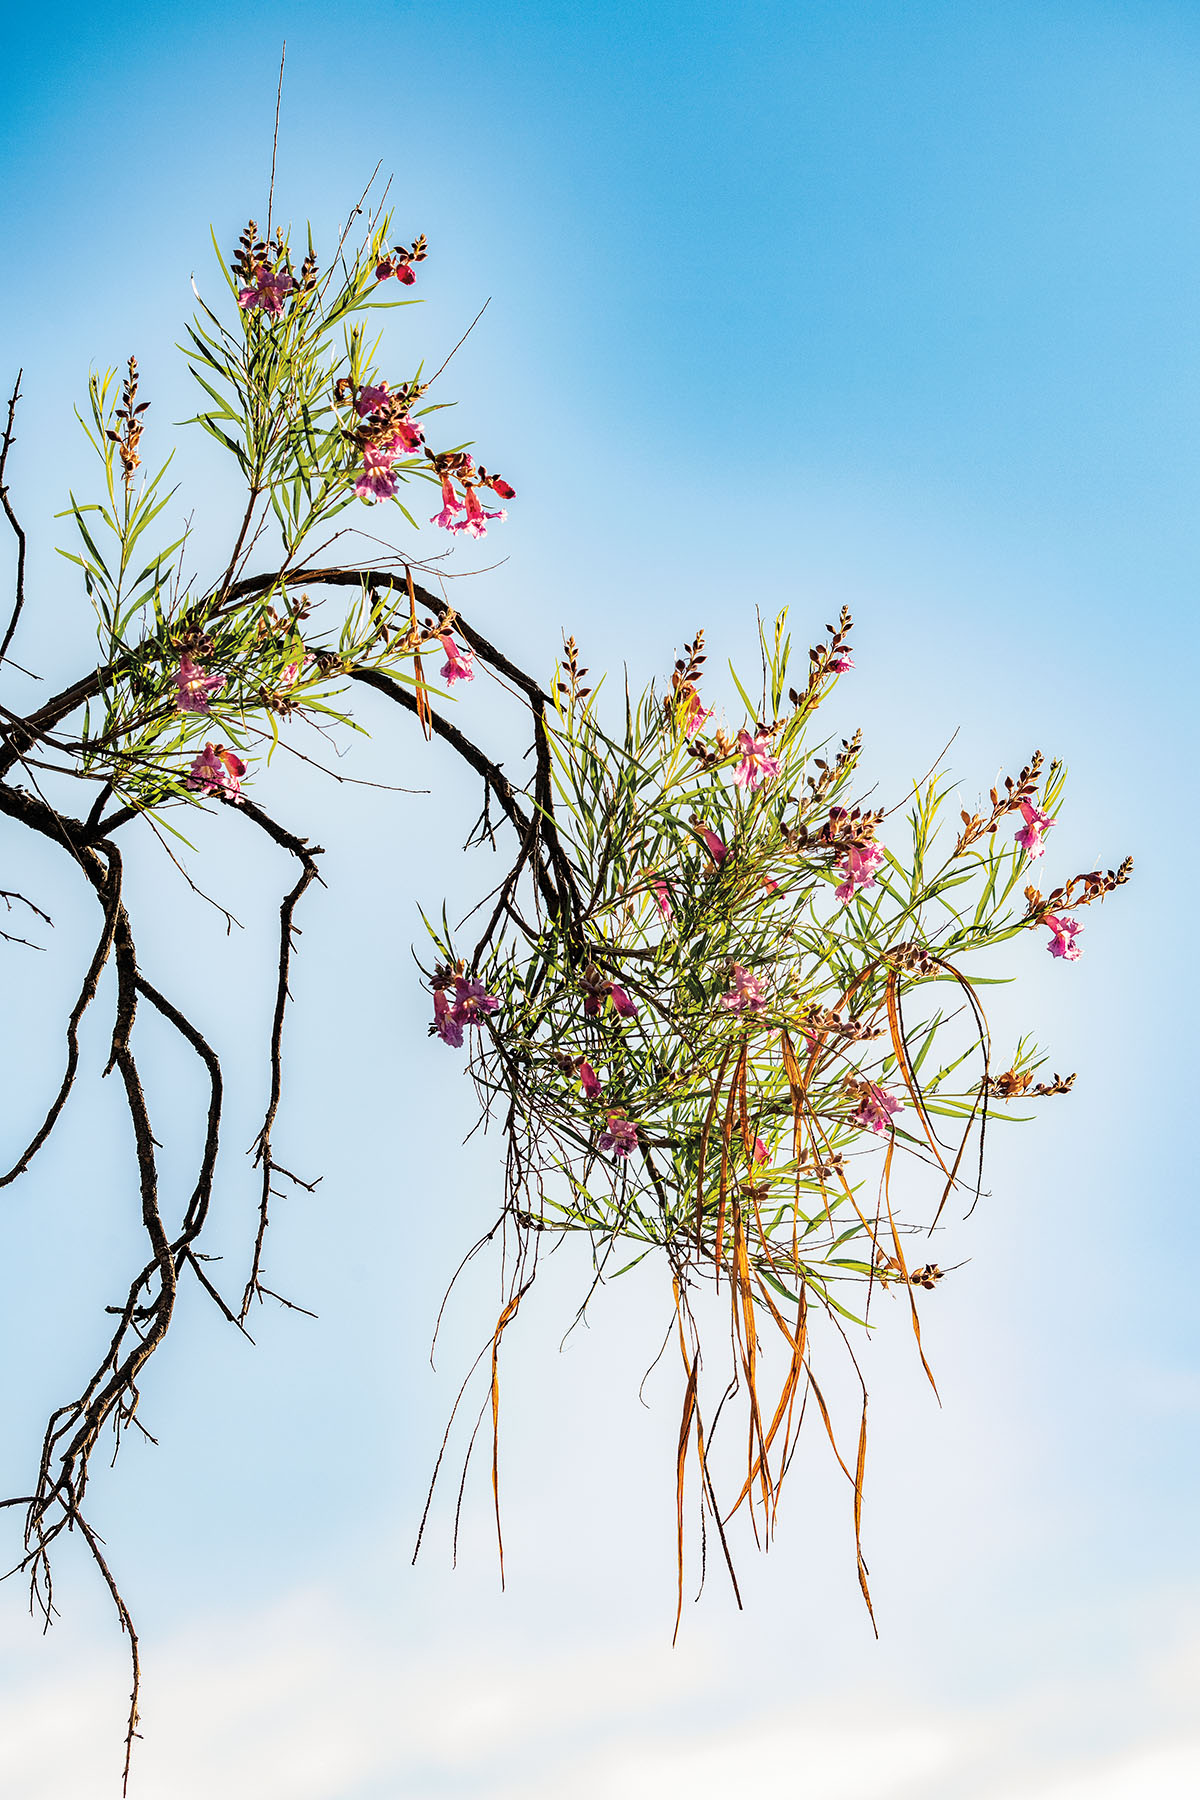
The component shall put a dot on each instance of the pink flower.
(475, 523)
(268, 292)
(875, 1109)
(370, 399)
(471, 1001)
(378, 480)
(716, 848)
(218, 771)
(695, 715)
(857, 870)
(841, 662)
(505, 489)
(408, 437)
(622, 1005)
(589, 1080)
(761, 1153)
(746, 994)
(620, 1137)
(1030, 835)
(194, 686)
(398, 266)
(447, 1027)
(459, 664)
(662, 896)
(294, 670)
(451, 504)
(756, 765)
(772, 887)
(1063, 935)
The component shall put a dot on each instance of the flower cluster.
(458, 1000)
(459, 466)
(218, 771)
(400, 262)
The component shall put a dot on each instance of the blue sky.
(802, 305)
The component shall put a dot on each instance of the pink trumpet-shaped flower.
(620, 1137)
(696, 715)
(475, 522)
(408, 437)
(472, 1001)
(451, 504)
(746, 994)
(841, 662)
(1064, 934)
(875, 1109)
(757, 764)
(589, 1080)
(218, 771)
(662, 897)
(1030, 835)
(447, 1027)
(771, 885)
(761, 1153)
(505, 489)
(459, 664)
(378, 480)
(268, 292)
(622, 1005)
(857, 870)
(715, 846)
(370, 399)
(194, 686)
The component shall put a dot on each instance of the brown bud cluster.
(129, 413)
(1024, 788)
(1018, 1085)
(826, 659)
(1081, 890)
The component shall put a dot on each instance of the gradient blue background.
(885, 305)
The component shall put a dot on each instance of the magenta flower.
(447, 1027)
(451, 504)
(408, 437)
(475, 523)
(268, 292)
(370, 399)
(399, 266)
(622, 1005)
(505, 489)
(761, 1153)
(841, 662)
(218, 771)
(771, 886)
(194, 686)
(459, 664)
(472, 1001)
(1030, 835)
(662, 896)
(875, 1109)
(857, 870)
(378, 480)
(716, 848)
(589, 1080)
(620, 1137)
(757, 764)
(1063, 935)
(696, 714)
(746, 994)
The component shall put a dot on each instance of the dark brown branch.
(306, 855)
(10, 515)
